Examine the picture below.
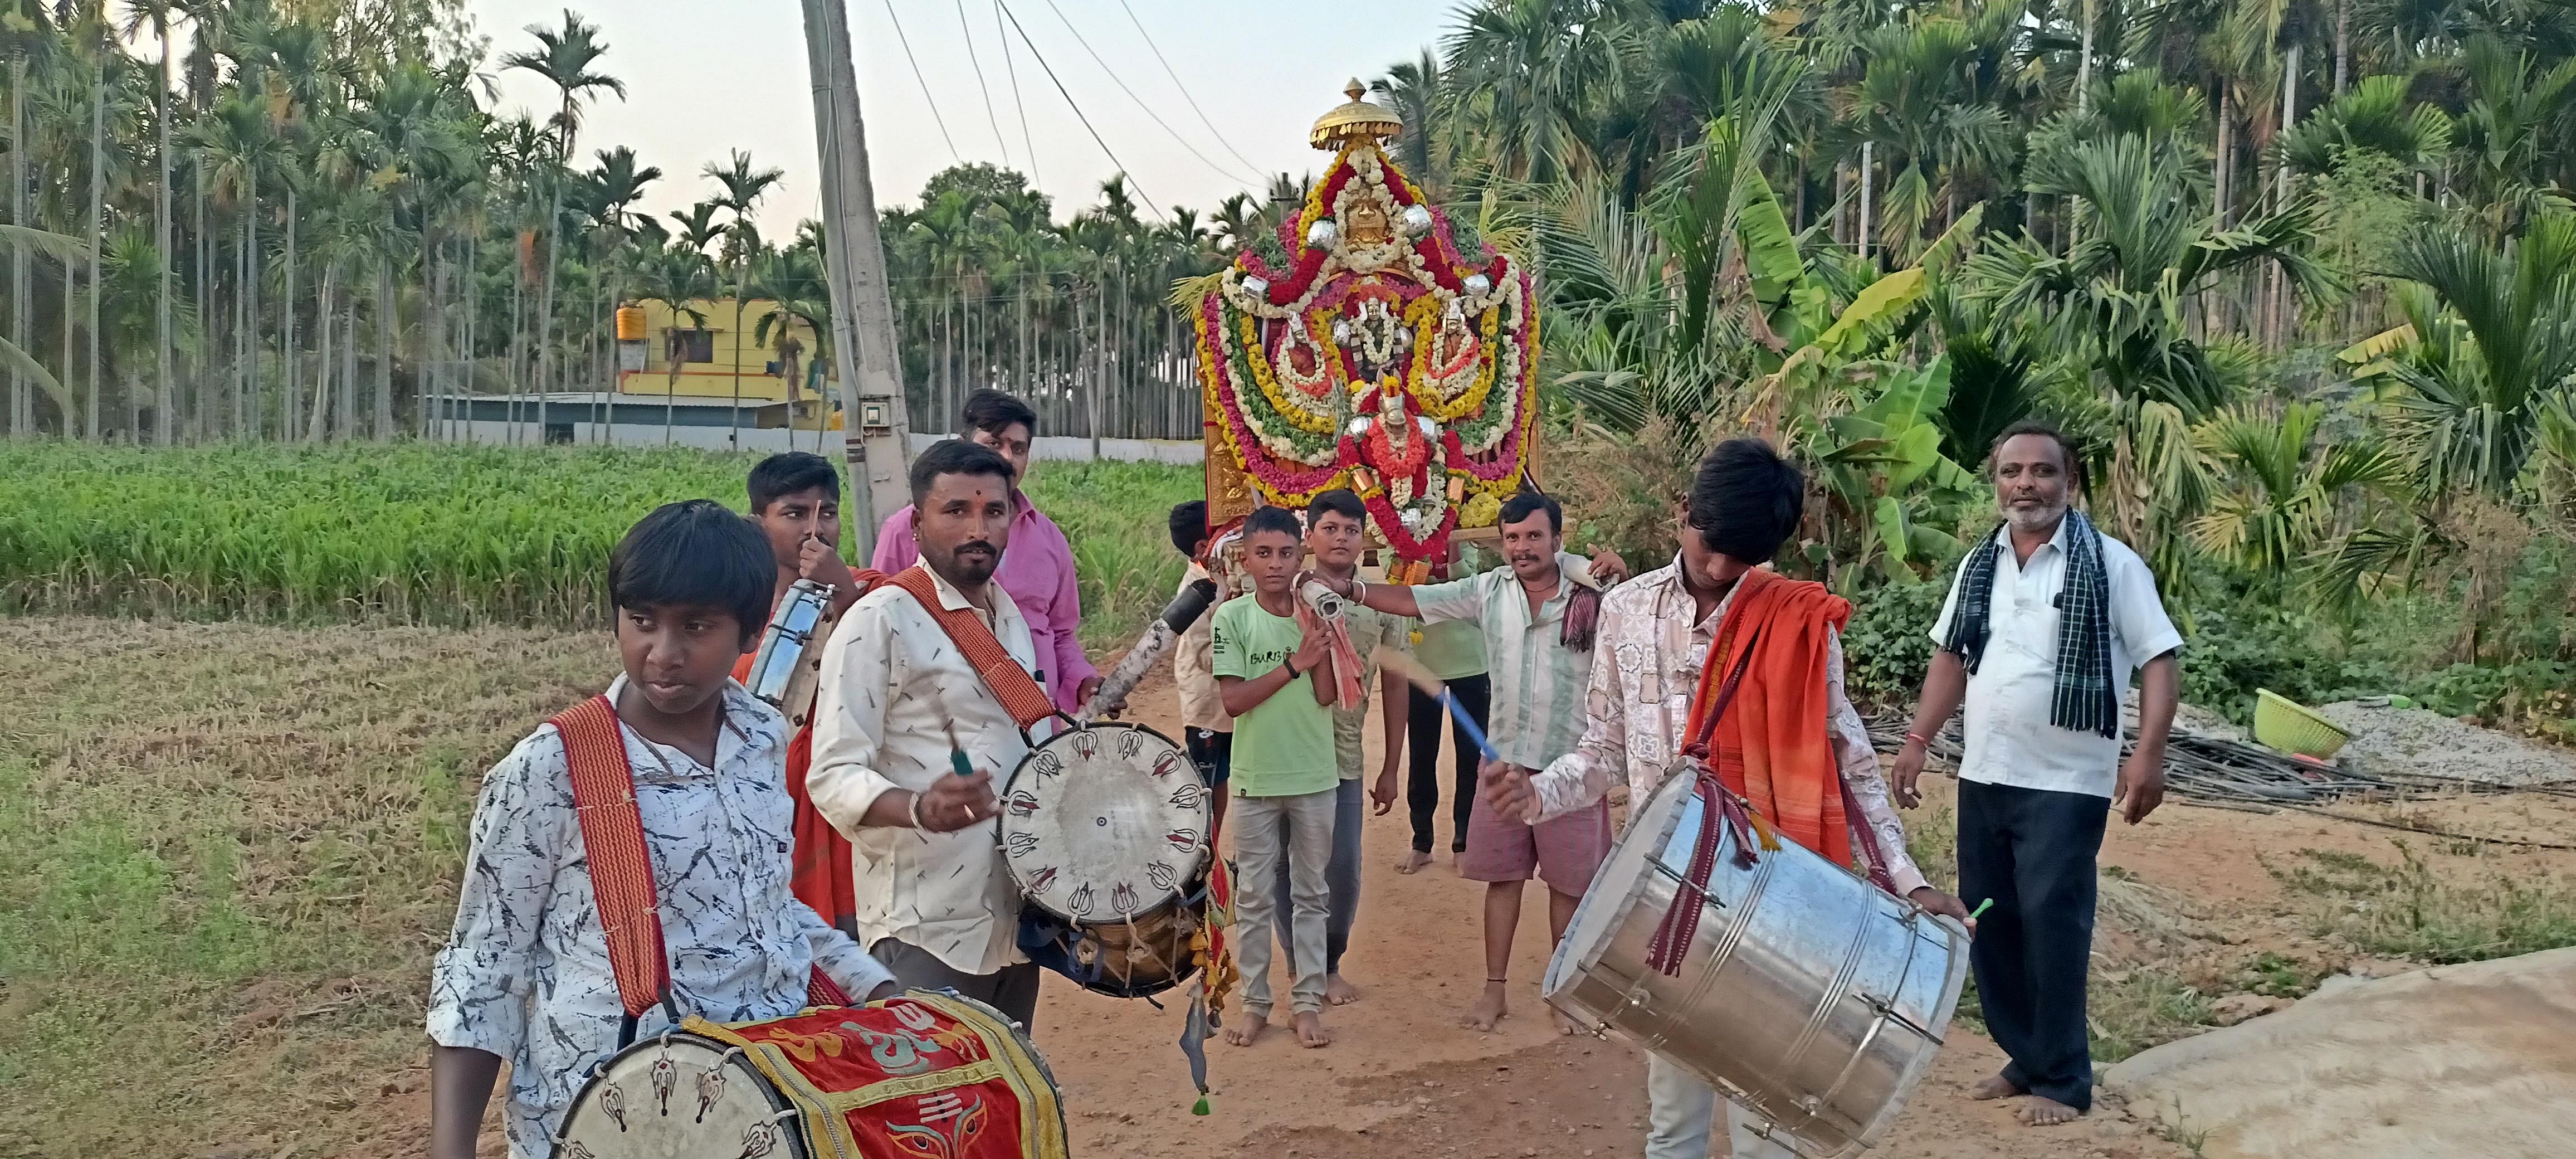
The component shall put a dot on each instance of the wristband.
(1291, 666)
(1917, 738)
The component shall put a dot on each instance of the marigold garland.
(1287, 430)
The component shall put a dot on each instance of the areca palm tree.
(745, 185)
(2492, 348)
(158, 14)
(564, 58)
(2289, 491)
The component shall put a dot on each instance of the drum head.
(1105, 823)
(679, 1096)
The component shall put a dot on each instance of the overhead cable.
(924, 82)
(1157, 118)
(1078, 114)
(1185, 89)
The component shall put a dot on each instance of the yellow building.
(717, 354)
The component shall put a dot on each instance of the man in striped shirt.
(1536, 616)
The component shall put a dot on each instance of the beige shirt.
(1193, 664)
(1370, 630)
(1646, 660)
(893, 687)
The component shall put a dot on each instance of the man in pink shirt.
(1037, 566)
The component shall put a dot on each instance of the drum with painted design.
(1106, 824)
(921, 1074)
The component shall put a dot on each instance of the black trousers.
(2033, 852)
(1422, 779)
(1013, 990)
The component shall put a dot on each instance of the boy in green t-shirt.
(1284, 775)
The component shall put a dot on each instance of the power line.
(924, 82)
(1185, 89)
(1011, 66)
(1140, 101)
(1077, 112)
(978, 62)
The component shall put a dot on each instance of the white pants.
(1681, 1111)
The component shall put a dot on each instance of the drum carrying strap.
(1673, 935)
(1019, 692)
(621, 867)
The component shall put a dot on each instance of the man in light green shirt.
(1284, 775)
(1335, 523)
(1533, 622)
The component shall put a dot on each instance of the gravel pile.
(2393, 741)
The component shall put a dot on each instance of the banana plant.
(1889, 492)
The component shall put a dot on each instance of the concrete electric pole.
(870, 368)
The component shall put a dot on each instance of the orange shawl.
(1771, 745)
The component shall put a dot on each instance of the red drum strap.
(621, 867)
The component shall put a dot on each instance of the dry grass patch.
(226, 852)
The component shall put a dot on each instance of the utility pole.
(870, 371)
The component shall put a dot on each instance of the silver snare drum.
(788, 666)
(1807, 994)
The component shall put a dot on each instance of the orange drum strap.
(621, 870)
(1011, 684)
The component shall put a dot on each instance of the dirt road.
(1404, 1079)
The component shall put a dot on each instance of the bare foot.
(1247, 1029)
(1995, 1087)
(1310, 1030)
(2046, 1112)
(1338, 990)
(1488, 1010)
(1565, 1023)
(1413, 861)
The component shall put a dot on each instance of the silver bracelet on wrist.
(916, 811)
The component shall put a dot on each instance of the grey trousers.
(1270, 831)
(1341, 878)
(1013, 990)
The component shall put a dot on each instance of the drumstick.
(1403, 664)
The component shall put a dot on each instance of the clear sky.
(704, 78)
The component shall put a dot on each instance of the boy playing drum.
(526, 972)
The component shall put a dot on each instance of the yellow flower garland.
(1255, 357)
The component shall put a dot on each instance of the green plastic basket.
(2284, 724)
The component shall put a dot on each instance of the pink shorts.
(1564, 852)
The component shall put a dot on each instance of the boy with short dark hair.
(526, 972)
(796, 500)
(1205, 728)
(1336, 529)
(1268, 651)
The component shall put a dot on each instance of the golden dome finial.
(1356, 119)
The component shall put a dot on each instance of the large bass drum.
(921, 1074)
(1105, 830)
(1805, 993)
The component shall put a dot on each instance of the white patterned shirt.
(1646, 663)
(893, 689)
(525, 974)
(1538, 683)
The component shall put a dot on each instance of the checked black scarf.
(2084, 700)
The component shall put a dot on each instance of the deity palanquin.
(1379, 358)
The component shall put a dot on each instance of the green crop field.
(445, 535)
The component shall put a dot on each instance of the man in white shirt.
(2044, 626)
(935, 901)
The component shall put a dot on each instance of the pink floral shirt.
(1646, 662)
